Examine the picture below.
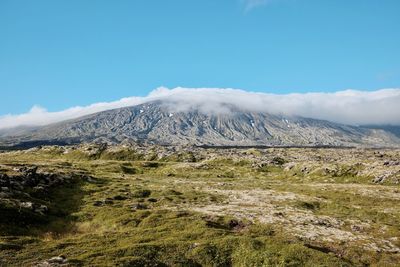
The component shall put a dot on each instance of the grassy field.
(155, 206)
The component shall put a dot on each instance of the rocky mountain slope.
(163, 123)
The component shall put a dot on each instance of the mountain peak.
(164, 122)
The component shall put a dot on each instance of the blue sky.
(59, 54)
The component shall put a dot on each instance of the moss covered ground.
(207, 208)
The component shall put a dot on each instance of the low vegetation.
(164, 206)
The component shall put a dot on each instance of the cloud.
(349, 106)
(39, 116)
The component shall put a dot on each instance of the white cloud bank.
(349, 106)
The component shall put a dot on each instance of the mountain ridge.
(164, 122)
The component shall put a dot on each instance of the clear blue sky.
(75, 52)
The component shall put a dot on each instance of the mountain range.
(162, 123)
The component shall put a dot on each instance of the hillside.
(162, 123)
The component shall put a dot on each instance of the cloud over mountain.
(349, 106)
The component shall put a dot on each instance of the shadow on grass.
(62, 202)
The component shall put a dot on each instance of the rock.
(29, 171)
(26, 205)
(42, 209)
(4, 195)
(16, 185)
(236, 225)
(139, 206)
(4, 180)
(322, 222)
(289, 166)
(54, 262)
(278, 161)
(59, 259)
(260, 165)
(381, 178)
(356, 228)
(194, 245)
(39, 189)
(391, 163)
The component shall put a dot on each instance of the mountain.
(394, 129)
(163, 123)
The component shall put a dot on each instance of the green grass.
(144, 220)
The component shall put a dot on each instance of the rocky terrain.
(14, 189)
(163, 123)
(150, 205)
(26, 196)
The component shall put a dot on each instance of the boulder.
(27, 205)
(42, 209)
(138, 206)
(54, 262)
